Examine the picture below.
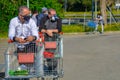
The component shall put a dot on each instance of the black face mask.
(27, 18)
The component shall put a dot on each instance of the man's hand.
(49, 32)
(30, 38)
(20, 40)
(43, 30)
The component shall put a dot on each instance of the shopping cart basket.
(23, 60)
(91, 26)
(53, 57)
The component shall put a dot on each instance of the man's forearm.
(55, 30)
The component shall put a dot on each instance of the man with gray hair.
(23, 30)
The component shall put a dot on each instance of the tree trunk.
(103, 10)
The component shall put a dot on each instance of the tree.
(79, 5)
(87, 4)
(110, 2)
(103, 5)
(103, 10)
(52, 4)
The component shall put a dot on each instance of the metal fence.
(69, 21)
(83, 19)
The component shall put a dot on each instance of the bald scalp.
(22, 9)
(51, 11)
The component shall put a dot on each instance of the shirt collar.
(20, 21)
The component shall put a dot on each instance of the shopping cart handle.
(10, 41)
(43, 33)
(61, 33)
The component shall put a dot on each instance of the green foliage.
(79, 5)
(81, 28)
(38, 4)
(51, 4)
(72, 28)
(112, 27)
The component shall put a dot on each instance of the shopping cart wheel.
(55, 78)
(42, 78)
(2, 75)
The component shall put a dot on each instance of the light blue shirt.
(23, 30)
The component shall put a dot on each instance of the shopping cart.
(92, 25)
(53, 57)
(24, 61)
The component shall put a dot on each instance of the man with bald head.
(23, 30)
(51, 23)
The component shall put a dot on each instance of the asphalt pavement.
(92, 57)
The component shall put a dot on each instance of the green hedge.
(82, 28)
(72, 28)
(112, 27)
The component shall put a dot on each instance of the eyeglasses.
(25, 15)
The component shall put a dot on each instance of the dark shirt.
(39, 17)
(46, 23)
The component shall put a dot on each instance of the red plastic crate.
(26, 58)
(48, 54)
(50, 45)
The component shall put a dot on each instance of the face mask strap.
(54, 18)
